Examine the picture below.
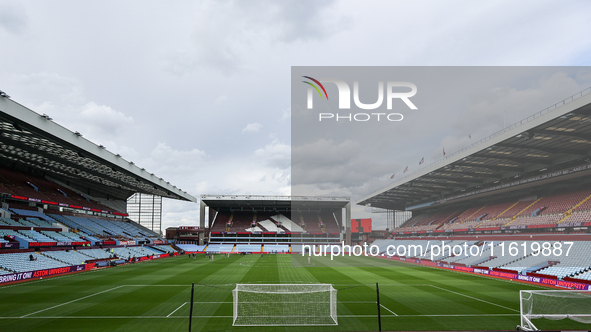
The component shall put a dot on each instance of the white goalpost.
(554, 305)
(284, 304)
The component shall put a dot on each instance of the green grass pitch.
(154, 296)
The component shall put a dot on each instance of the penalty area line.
(210, 317)
(443, 315)
(82, 298)
(175, 310)
(474, 298)
(381, 305)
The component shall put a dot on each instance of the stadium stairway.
(320, 223)
(302, 223)
(520, 212)
(475, 212)
(569, 213)
(508, 209)
(230, 221)
(174, 246)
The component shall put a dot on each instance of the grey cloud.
(307, 20)
(327, 163)
(226, 31)
(13, 18)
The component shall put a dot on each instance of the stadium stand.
(96, 253)
(28, 185)
(10, 222)
(566, 206)
(36, 236)
(276, 248)
(165, 248)
(248, 248)
(191, 247)
(219, 248)
(576, 265)
(287, 224)
(20, 262)
(68, 257)
(30, 213)
(9, 232)
(105, 228)
(241, 221)
(130, 252)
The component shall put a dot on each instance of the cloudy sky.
(198, 92)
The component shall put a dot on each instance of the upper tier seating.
(28, 185)
(36, 236)
(567, 207)
(9, 232)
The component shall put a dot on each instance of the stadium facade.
(276, 219)
(65, 200)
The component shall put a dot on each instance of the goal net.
(554, 304)
(284, 304)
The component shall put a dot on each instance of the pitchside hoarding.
(43, 273)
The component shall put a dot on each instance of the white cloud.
(254, 127)
(275, 154)
(103, 120)
(226, 32)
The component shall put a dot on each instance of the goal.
(554, 304)
(284, 304)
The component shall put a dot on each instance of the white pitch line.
(357, 301)
(158, 285)
(459, 315)
(112, 317)
(184, 317)
(82, 298)
(176, 309)
(381, 305)
(474, 298)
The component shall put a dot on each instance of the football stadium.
(499, 238)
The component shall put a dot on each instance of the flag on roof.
(405, 170)
(393, 175)
(422, 161)
(444, 151)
